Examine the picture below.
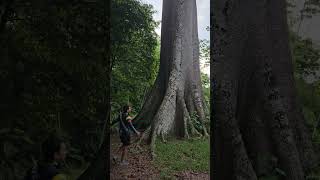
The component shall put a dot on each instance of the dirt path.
(140, 165)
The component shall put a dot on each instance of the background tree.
(297, 15)
(259, 127)
(205, 63)
(134, 55)
(306, 58)
(205, 52)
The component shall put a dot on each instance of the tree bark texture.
(177, 92)
(257, 124)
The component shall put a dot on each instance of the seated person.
(54, 153)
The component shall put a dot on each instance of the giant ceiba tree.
(177, 92)
(258, 125)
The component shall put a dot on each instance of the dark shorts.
(125, 138)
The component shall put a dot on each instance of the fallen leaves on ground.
(141, 166)
(140, 163)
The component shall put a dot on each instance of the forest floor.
(192, 164)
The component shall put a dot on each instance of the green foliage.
(310, 99)
(53, 67)
(195, 120)
(308, 94)
(206, 93)
(306, 62)
(205, 80)
(135, 53)
(305, 56)
(193, 155)
(205, 51)
(206, 88)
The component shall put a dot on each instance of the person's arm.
(129, 119)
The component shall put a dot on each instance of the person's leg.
(115, 157)
(120, 149)
(126, 143)
(123, 153)
(123, 141)
(126, 152)
(127, 146)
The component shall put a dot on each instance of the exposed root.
(198, 101)
(206, 134)
(186, 134)
(157, 128)
(201, 120)
(163, 138)
(185, 119)
(193, 130)
(145, 135)
(153, 144)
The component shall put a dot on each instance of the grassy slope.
(180, 155)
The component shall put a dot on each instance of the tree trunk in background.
(258, 125)
(177, 92)
(282, 62)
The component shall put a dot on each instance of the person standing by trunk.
(126, 128)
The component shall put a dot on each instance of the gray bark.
(254, 108)
(282, 64)
(177, 92)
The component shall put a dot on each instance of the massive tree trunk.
(258, 125)
(177, 92)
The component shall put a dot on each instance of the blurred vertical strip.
(99, 168)
(212, 86)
